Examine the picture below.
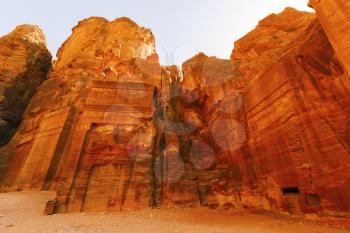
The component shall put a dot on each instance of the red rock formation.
(283, 148)
(297, 125)
(196, 170)
(297, 115)
(88, 131)
(272, 37)
(334, 17)
(267, 129)
(24, 64)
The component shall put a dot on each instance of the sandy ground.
(23, 212)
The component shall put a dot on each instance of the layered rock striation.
(24, 64)
(87, 121)
(267, 129)
(297, 117)
(333, 15)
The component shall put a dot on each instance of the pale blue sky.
(181, 27)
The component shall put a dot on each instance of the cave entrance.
(292, 197)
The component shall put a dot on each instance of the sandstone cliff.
(333, 15)
(298, 116)
(24, 64)
(267, 43)
(267, 129)
(275, 118)
(92, 113)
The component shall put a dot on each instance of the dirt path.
(22, 212)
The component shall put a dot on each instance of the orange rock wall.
(88, 131)
(297, 116)
(24, 65)
(267, 129)
(294, 112)
(334, 18)
(105, 137)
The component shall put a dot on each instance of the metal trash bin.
(50, 207)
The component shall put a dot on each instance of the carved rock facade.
(89, 118)
(297, 118)
(267, 129)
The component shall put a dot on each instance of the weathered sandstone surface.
(89, 117)
(24, 64)
(111, 129)
(297, 116)
(333, 15)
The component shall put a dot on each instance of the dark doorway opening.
(294, 190)
(292, 196)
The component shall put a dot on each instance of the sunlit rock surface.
(297, 116)
(267, 129)
(271, 38)
(24, 64)
(278, 122)
(88, 131)
(334, 18)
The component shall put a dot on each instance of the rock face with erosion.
(88, 131)
(333, 15)
(297, 116)
(267, 129)
(24, 64)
